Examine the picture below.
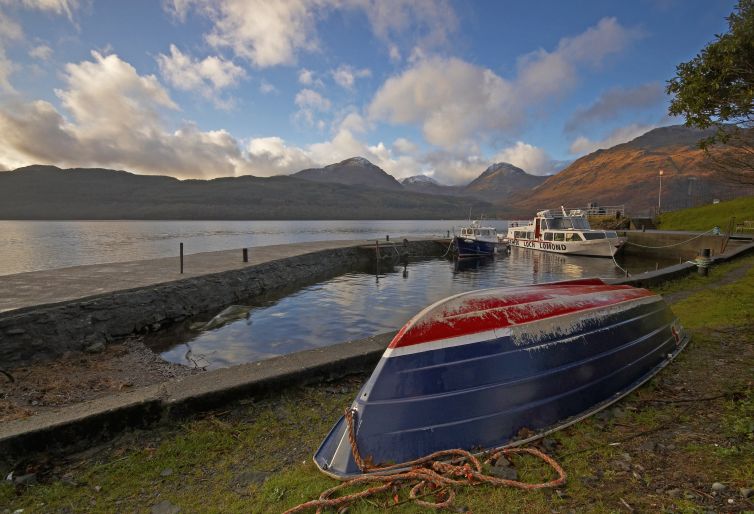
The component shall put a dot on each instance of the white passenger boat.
(564, 232)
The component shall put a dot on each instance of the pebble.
(622, 465)
(717, 487)
(97, 347)
(166, 472)
(746, 492)
(165, 507)
(674, 493)
(504, 469)
(29, 479)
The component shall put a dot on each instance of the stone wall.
(673, 246)
(47, 331)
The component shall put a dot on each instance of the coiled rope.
(435, 475)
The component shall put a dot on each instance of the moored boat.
(473, 370)
(564, 232)
(476, 240)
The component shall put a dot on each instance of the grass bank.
(708, 216)
(658, 450)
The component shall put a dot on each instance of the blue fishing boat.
(472, 371)
(476, 240)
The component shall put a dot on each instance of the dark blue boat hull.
(481, 395)
(472, 247)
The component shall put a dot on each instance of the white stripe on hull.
(595, 248)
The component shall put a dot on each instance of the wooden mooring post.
(246, 255)
(181, 258)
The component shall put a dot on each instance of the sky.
(212, 88)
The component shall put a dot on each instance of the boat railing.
(519, 223)
(600, 210)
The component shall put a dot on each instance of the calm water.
(361, 304)
(37, 245)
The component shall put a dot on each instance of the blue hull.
(473, 247)
(480, 395)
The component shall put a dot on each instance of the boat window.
(463, 232)
(548, 236)
(561, 223)
(573, 236)
(594, 235)
(611, 234)
(580, 223)
(476, 231)
(485, 232)
(544, 224)
(530, 235)
(558, 236)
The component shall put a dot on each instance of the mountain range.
(357, 189)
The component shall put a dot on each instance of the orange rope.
(438, 477)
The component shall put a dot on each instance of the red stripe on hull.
(484, 312)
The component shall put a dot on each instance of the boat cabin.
(469, 232)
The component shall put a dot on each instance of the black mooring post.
(387, 237)
(181, 258)
(246, 255)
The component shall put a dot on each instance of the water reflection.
(364, 303)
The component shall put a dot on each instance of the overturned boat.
(473, 370)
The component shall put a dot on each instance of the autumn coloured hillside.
(629, 174)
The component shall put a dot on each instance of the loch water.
(368, 302)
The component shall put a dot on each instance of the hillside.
(428, 185)
(50, 193)
(501, 181)
(355, 171)
(629, 174)
(707, 216)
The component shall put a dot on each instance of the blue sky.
(207, 88)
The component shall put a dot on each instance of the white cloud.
(305, 77)
(267, 88)
(9, 29)
(6, 69)
(66, 7)
(529, 158)
(310, 102)
(457, 102)
(41, 52)
(273, 33)
(115, 121)
(207, 77)
(271, 156)
(263, 32)
(404, 146)
(453, 100)
(345, 76)
(542, 74)
(417, 24)
(583, 145)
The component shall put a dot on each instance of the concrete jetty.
(63, 284)
(47, 313)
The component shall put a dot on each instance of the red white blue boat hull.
(474, 369)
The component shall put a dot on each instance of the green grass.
(708, 216)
